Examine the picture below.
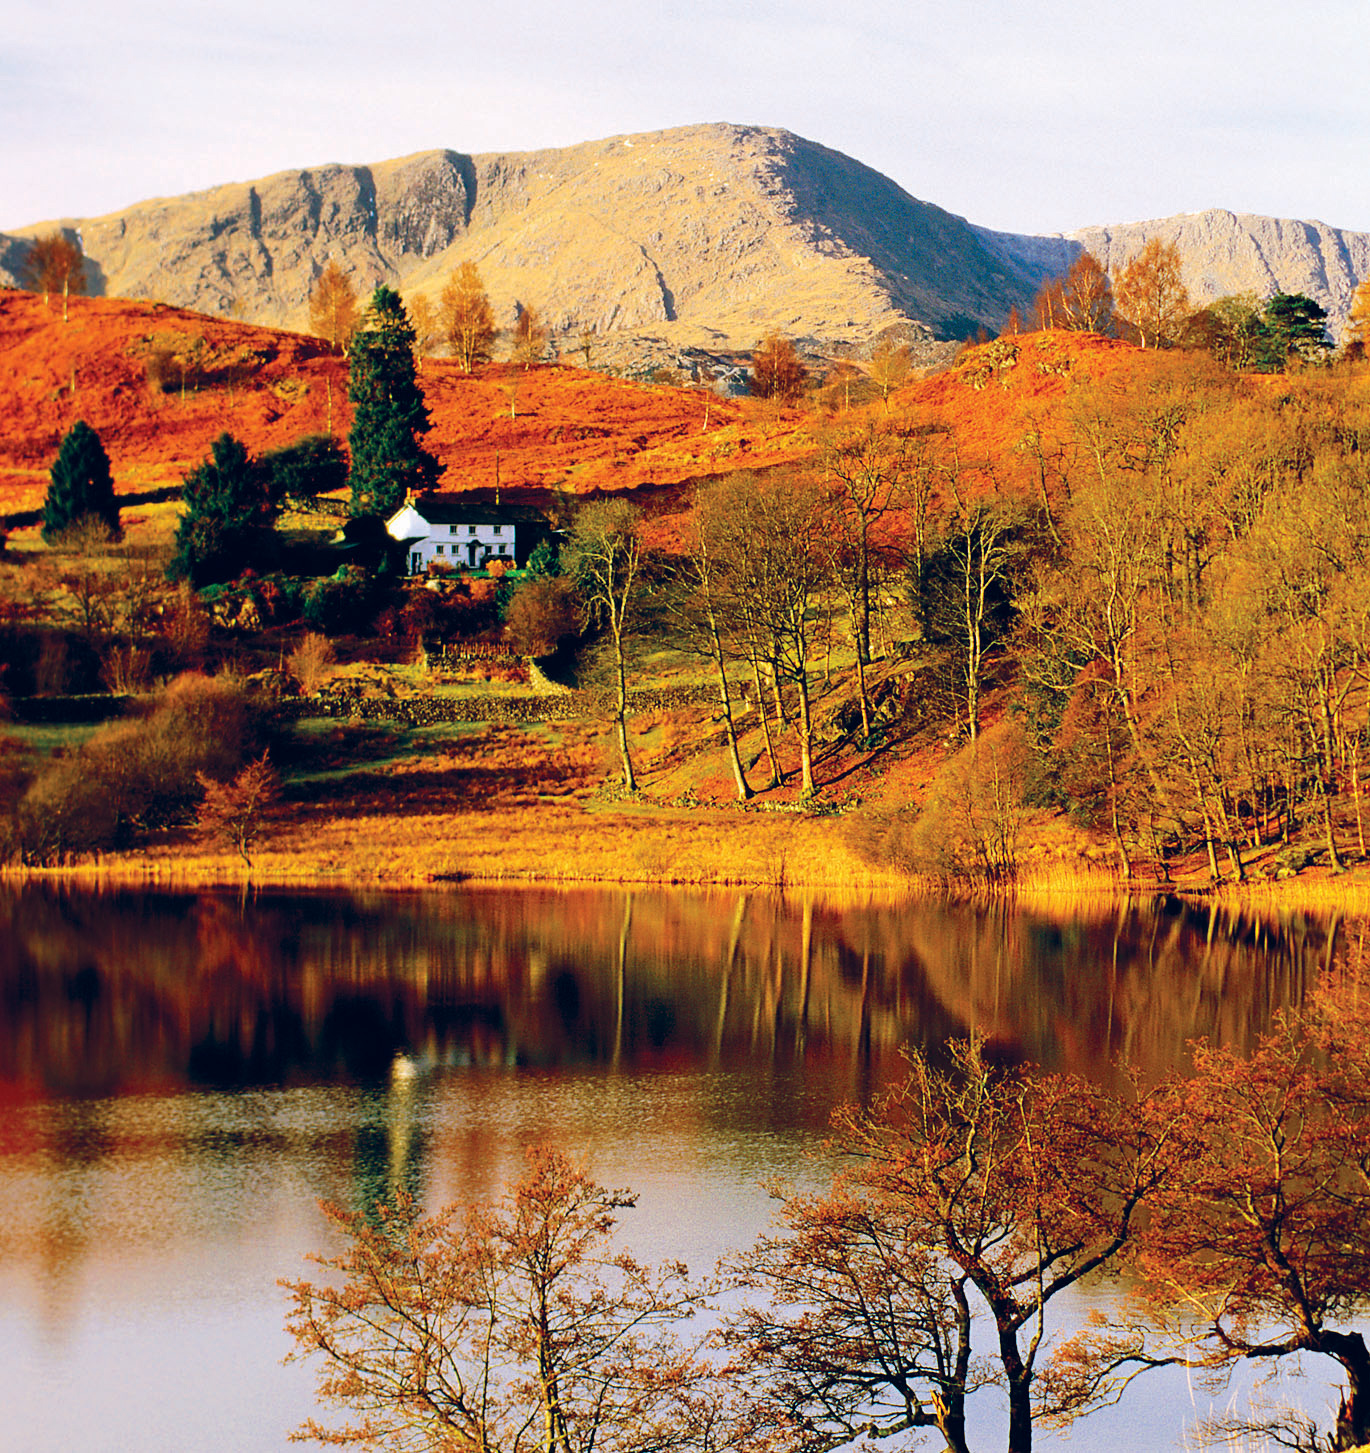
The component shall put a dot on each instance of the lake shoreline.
(628, 844)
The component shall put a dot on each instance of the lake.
(185, 1076)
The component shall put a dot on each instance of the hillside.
(573, 431)
(1042, 441)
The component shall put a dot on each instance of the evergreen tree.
(82, 486)
(1298, 327)
(229, 517)
(312, 465)
(390, 416)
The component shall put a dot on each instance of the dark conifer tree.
(82, 486)
(1297, 326)
(390, 417)
(229, 517)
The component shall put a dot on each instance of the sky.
(1022, 115)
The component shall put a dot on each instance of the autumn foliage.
(55, 264)
(234, 812)
(939, 1268)
(777, 372)
(334, 310)
(466, 318)
(517, 1325)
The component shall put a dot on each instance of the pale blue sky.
(1029, 117)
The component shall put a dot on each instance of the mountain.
(705, 235)
(1223, 253)
(701, 236)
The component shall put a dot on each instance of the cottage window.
(452, 529)
(470, 529)
(499, 529)
(440, 549)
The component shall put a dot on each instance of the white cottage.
(451, 529)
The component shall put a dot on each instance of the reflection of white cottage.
(451, 529)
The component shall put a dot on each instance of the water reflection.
(184, 1077)
(111, 994)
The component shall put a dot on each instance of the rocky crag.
(1223, 253)
(705, 236)
(701, 237)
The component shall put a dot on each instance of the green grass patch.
(49, 738)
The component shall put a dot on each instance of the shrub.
(312, 465)
(312, 661)
(342, 605)
(540, 615)
(126, 669)
(139, 774)
(970, 823)
(185, 629)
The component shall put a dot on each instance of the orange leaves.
(977, 1192)
(514, 1325)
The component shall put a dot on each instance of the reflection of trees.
(104, 993)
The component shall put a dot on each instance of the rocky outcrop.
(254, 249)
(1223, 252)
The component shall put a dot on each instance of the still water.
(184, 1077)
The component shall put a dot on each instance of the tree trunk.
(804, 724)
(1113, 798)
(864, 694)
(1353, 1416)
(629, 776)
(765, 721)
(1329, 831)
(781, 715)
(863, 622)
(729, 726)
(1019, 1389)
(1356, 790)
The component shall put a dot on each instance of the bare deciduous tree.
(1081, 301)
(604, 556)
(783, 564)
(423, 318)
(234, 812)
(517, 1326)
(531, 335)
(777, 373)
(890, 368)
(312, 662)
(55, 264)
(975, 1191)
(1357, 333)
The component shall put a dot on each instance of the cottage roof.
(458, 509)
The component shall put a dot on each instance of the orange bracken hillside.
(552, 429)
(95, 367)
(571, 429)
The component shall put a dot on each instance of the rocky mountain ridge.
(1224, 253)
(698, 237)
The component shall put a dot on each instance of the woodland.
(1107, 570)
